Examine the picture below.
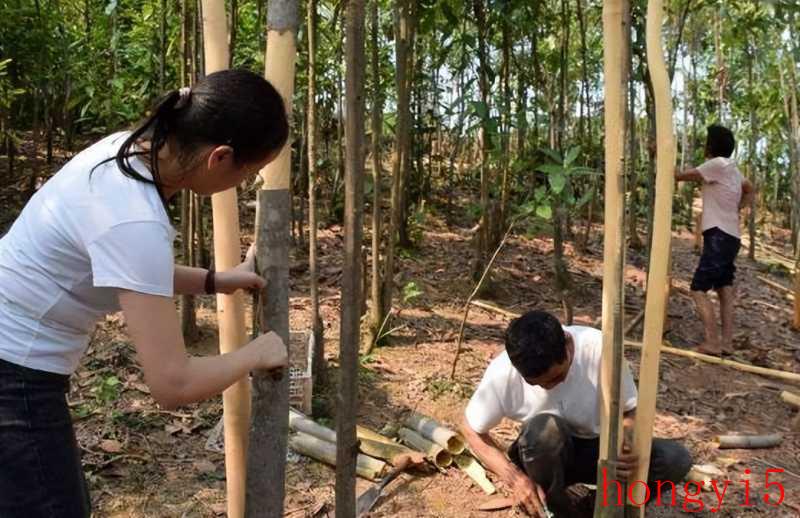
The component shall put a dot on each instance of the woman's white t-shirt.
(503, 391)
(79, 240)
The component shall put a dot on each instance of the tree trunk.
(376, 308)
(402, 41)
(230, 308)
(311, 122)
(483, 235)
(347, 397)
(721, 70)
(563, 279)
(266, 465)
(188, 318)
(751, 162)
(162, 47)
(234, 5)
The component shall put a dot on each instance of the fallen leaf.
(111, 446)
(204, 466)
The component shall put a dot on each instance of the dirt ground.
(142, 461)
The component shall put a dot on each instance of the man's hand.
(528, 496)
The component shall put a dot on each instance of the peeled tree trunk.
(657, 282)
(230, 308)
(614, 71)
(266, 461)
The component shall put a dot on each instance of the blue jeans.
(40, 468)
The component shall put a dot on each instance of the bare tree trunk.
(376, 308)
(721, 70)
(751, 162)
(402, 42)
(311, 122)
(234, 23)
(483, 235)
(347, 397)
(266, 459)
(162, 47)
(563, 279)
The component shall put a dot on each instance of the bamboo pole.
(230, 308)
(658, 276)
(790, 377)
(727, 442)
(266, 461)
(324, 451)
(434, 431)
(438, 455)
(791, 398)
(614, 71)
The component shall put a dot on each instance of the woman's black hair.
(535, 342)
(232, 107)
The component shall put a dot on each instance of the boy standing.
(725, 193)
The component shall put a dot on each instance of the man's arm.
(526, 492)
(748, 195)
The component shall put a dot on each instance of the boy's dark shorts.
(716, 269)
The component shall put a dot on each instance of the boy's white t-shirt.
(78, 240)
(504, 393)
(722, 193)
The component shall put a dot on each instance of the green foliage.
(106, 390)
(411, 291)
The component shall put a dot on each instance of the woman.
(96, 239)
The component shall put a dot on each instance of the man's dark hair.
(535, 342)
(720, 141)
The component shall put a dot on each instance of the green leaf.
(572, 154)
(586, 198)
(551, 169)
(557, 182)
(544, 212)
(480, 109)
(554, 155)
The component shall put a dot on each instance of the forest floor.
(142, 461)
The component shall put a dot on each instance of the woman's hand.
(241, 277)
(271, 352)
(238, 279)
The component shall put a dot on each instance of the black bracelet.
(210, 284)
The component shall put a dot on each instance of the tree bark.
(347, 396)
(402, 42)
(376, 308)
(311, 136)
(266, 461)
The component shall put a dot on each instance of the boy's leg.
(705, 310)
(705, 278)
(727, 294)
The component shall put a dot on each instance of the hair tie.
(184, 94)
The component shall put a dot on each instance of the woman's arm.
(175, 378)
(189, 281)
